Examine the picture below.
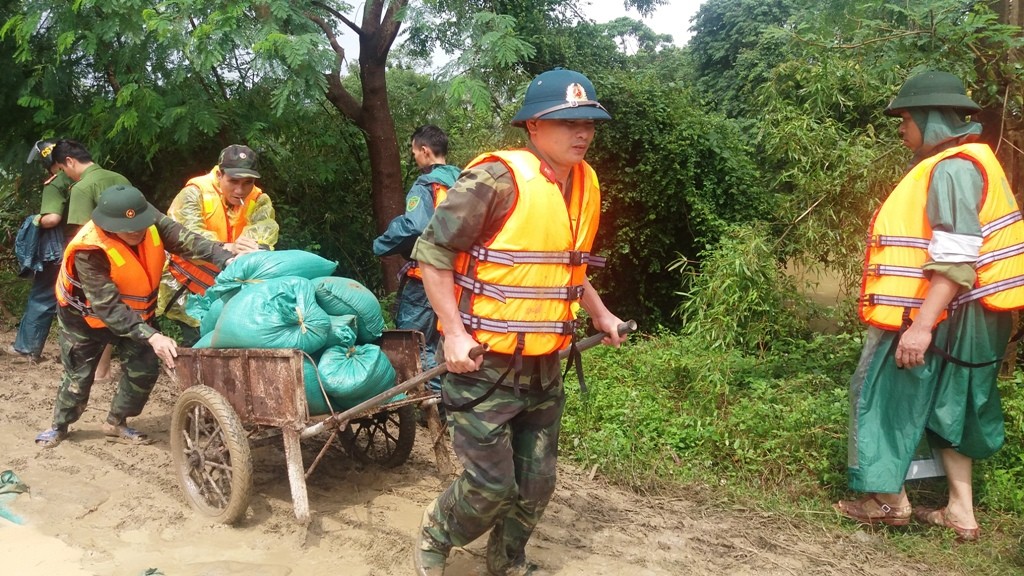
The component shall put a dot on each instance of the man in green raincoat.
(943, 271)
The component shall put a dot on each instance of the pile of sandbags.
(288, 299)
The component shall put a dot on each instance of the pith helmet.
(932, 89)
(42, 149)
(123, 208)
(560, 94)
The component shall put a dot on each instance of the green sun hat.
(122, 209)
(932, 89)
(560, 94)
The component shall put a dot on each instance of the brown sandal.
(940, 517)
(883, 514)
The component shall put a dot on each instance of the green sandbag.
(277, 313)
(213, 302)
(314, 395)
(209, 320)
(352, 375)
(197, 306)
(343, 331)
(267, 264)
(341, 296)
(204, 342)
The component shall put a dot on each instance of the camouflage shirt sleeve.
(93, 270)
(472, 213)
(262, 226)
(190, 245)
(187, 210)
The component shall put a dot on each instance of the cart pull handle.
(338, 420)
(627, 327)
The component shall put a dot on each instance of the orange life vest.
(440, 192)
(198, 275)
(519, 300)
(137, 276)
(894, 285)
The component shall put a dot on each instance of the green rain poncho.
(891, 408)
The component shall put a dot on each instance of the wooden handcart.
(234, 399)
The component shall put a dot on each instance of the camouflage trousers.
(508, 446)
(80, 349)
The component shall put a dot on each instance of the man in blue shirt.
(429, 150)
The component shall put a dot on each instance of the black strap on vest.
(575, 358)
(177, 294)
(517, 362)
(515, 368)
(476, 401)
(403, 278)
(944, 354)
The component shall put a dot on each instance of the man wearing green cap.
(106, 291)
(504, 263)
(944, 269)
(224, 205)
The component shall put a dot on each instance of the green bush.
(742, 297)
(673, 177)
(670, 409)
(997, 480)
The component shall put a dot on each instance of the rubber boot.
(428, 557)
(498, 561)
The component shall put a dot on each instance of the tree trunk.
(385, 165)
(378, 28)
(1007, 137)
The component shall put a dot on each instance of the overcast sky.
(671, 18)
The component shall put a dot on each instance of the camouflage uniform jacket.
(474, 211)
(93, 271)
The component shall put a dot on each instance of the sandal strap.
(888, 509)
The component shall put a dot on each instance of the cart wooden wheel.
(211, 454)
(384, 439)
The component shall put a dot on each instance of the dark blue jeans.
(39, 311)
(415, 313)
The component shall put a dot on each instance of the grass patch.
(770, 432)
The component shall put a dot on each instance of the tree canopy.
(769, 118)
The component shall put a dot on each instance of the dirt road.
(103, 509)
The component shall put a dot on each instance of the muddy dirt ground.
(103, 509)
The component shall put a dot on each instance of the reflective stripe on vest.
(439, 192)
(198, 275)
(137, 276)
(899, 237)
(505, 292)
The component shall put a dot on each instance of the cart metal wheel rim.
(385, 438)
(211, 454)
